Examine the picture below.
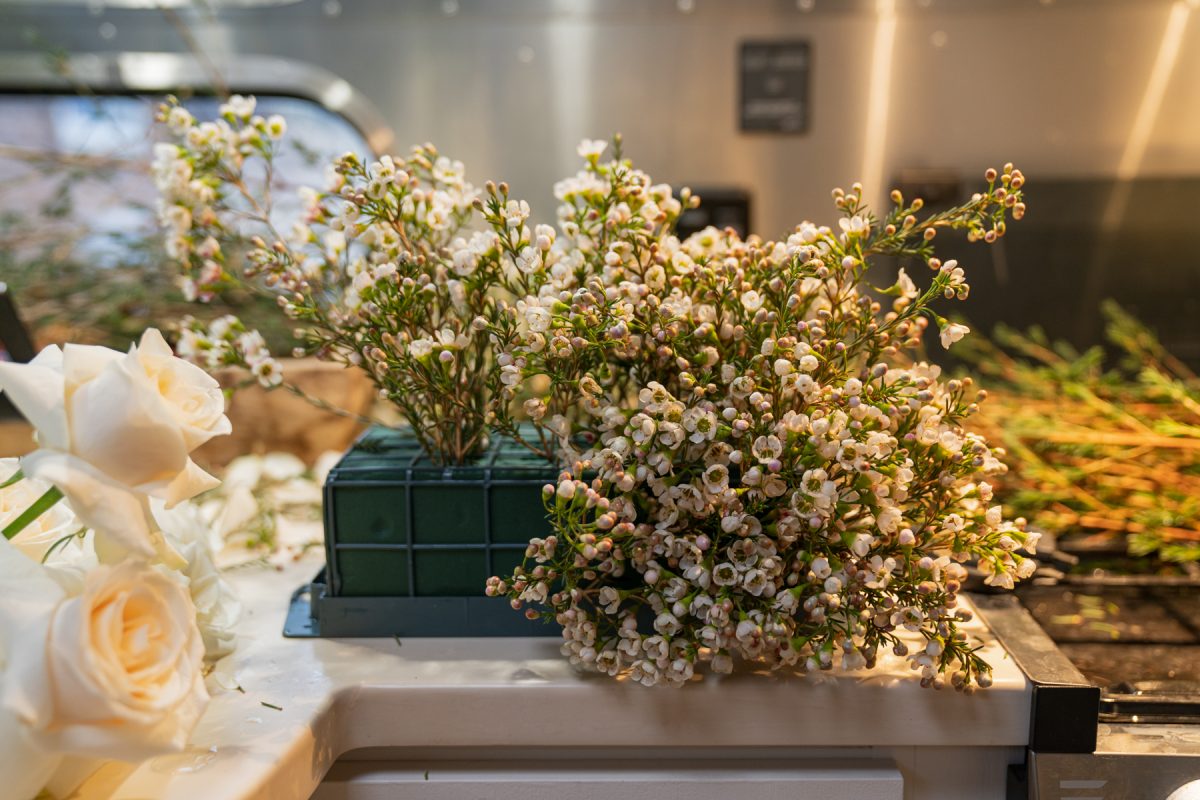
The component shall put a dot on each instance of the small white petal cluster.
(226, 342)
(197, 175)
(757, 471)
(383, 272)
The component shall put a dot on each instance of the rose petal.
(240, 508)
(120, 423)
(71, 774)
(80, 363)
(25, 766)
(30, 597)
(118, 515)
(192, 396)
(190, 482)
(282, 466)
(37, 392)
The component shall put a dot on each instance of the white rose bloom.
(115, 427)
(115, 671)
(217, 606)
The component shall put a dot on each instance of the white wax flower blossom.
(752, 300)
(179, 119)
(908, 289)
(856, 225)
(515, 212)
(267, 371)
(115, 428)
(276, 126)
(952, 333)
(591, 148)
(538, 318)
(113, 671)
(238, 106)
(420, 348)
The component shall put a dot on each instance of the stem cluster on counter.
(757, 468)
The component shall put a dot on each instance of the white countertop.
(339, 695)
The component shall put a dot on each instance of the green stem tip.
(39, 507)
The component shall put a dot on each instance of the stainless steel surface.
(164, 72)
(1035, 653)
(1097, 100)
(1151, 753)
(1142, 739)
(1144, 774)
(1064, 705)
(510, 87)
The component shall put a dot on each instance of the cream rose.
(115, 427)
(113, 672)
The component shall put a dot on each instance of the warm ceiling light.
(1156, 87)
(875, 139)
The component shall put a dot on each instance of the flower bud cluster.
(226, 342)
(390, 269)
(760, 468)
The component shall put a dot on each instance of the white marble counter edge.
(335, 696)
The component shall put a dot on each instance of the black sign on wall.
(774, 86)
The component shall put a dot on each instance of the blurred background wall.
(1098, 101)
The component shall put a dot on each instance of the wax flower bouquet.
(386, 272)
(755, 464)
